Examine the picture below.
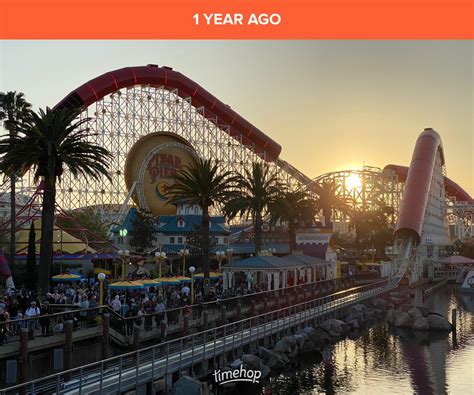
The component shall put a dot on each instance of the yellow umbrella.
(66, 277)
(168, 280)
(126, 285)
(149, 282)
(183, 279)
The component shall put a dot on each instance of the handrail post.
(23, 360)
(68, 350)
(105, 335)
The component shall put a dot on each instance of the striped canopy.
(168, 280)
(183, 279)
(149, 282)
(66, 277)
(126, 285)
(212, 275)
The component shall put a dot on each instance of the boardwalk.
(196, 351)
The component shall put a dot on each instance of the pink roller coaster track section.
(418, 181)
(214, 110)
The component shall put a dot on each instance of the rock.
(402, 319)
(355, 316)
(421, 323)
(357, 309)
(264, 353)
(309, 345)
(379, 303)
(391, 316)
(425, 311)
(353, 324)
(283, 345)
(251, 361)
(439, 323)
(300, 339)
(309, 330)
(414, 312)
(189, 386)
(236, 364)
(265, 371)
(321, 338)
(335, 328)
(277, 360)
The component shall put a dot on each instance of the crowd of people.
(146, 307)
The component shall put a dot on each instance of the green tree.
(143, 232)
(293, 207)
(49, 142)
(328, 199)
(257, 190)
(14, 109)
(204, 184)
(31, 275)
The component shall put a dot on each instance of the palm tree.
(293, 207)
(13, 109)
(328, 199)
(48, 142)
(372, 226)
(257, 190)
(203, 184)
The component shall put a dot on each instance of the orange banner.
(236, 19)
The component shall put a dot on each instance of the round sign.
(207, 281)
(151, 163)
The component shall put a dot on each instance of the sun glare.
(353, 182)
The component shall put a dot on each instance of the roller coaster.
(129, 103)
(126, 104)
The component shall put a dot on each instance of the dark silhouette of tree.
(204, 184)
(257, 190)
(328, 199)
(48, 143)
(14, 109)
(143, 232)
(31, 272)
(293, 208)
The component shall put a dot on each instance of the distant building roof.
(168, 224)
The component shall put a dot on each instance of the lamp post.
(183, 253)
(220, 255)
(229, 253)
(192, 269)
(101, 278)
(160, 257)
(123, 255)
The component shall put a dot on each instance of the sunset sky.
(332, 105)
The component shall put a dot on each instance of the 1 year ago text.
(237, 19)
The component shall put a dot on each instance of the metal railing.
(127, 371)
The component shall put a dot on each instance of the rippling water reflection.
(386, 361)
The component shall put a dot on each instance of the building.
(175, 232)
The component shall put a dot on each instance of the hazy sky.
(332, 105)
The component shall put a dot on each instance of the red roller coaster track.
(214, 109)
(418, 181)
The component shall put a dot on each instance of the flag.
(4, 268)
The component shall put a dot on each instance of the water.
(387, 361)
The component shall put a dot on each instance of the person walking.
(45, 320)
(32, 311)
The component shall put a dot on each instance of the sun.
(353, 182)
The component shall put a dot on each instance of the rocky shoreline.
(318, 338)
